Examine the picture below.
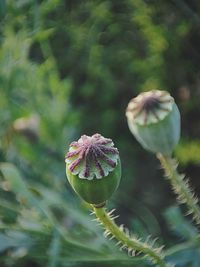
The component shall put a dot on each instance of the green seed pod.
(154, 120)
(93, 168)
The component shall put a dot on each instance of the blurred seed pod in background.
(154, 119)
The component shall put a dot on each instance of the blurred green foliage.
(69, 68)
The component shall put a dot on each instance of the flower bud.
(93, 168)
(154, 120)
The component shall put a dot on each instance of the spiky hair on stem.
(92, 157)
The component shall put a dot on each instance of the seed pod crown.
(149, 107)
(92, 157)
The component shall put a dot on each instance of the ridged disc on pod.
(154, 119)
(93, 168)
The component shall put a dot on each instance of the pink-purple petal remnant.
(92, 157)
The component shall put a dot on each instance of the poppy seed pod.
(93, 168)
(154, 119)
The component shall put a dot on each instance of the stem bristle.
(181, 186)
(129, 242)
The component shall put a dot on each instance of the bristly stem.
(128, 242)
(180, 186)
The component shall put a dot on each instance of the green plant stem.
(131, 243)
(180, 186)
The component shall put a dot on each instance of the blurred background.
(69, 68)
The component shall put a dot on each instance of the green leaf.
(16, 183)
(2, 7)
(179, 224)
(14, 239)
(54, 250)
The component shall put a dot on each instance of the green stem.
(180, 186)
(131, 243)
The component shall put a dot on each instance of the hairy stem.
(180, 186)
(129, 242)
